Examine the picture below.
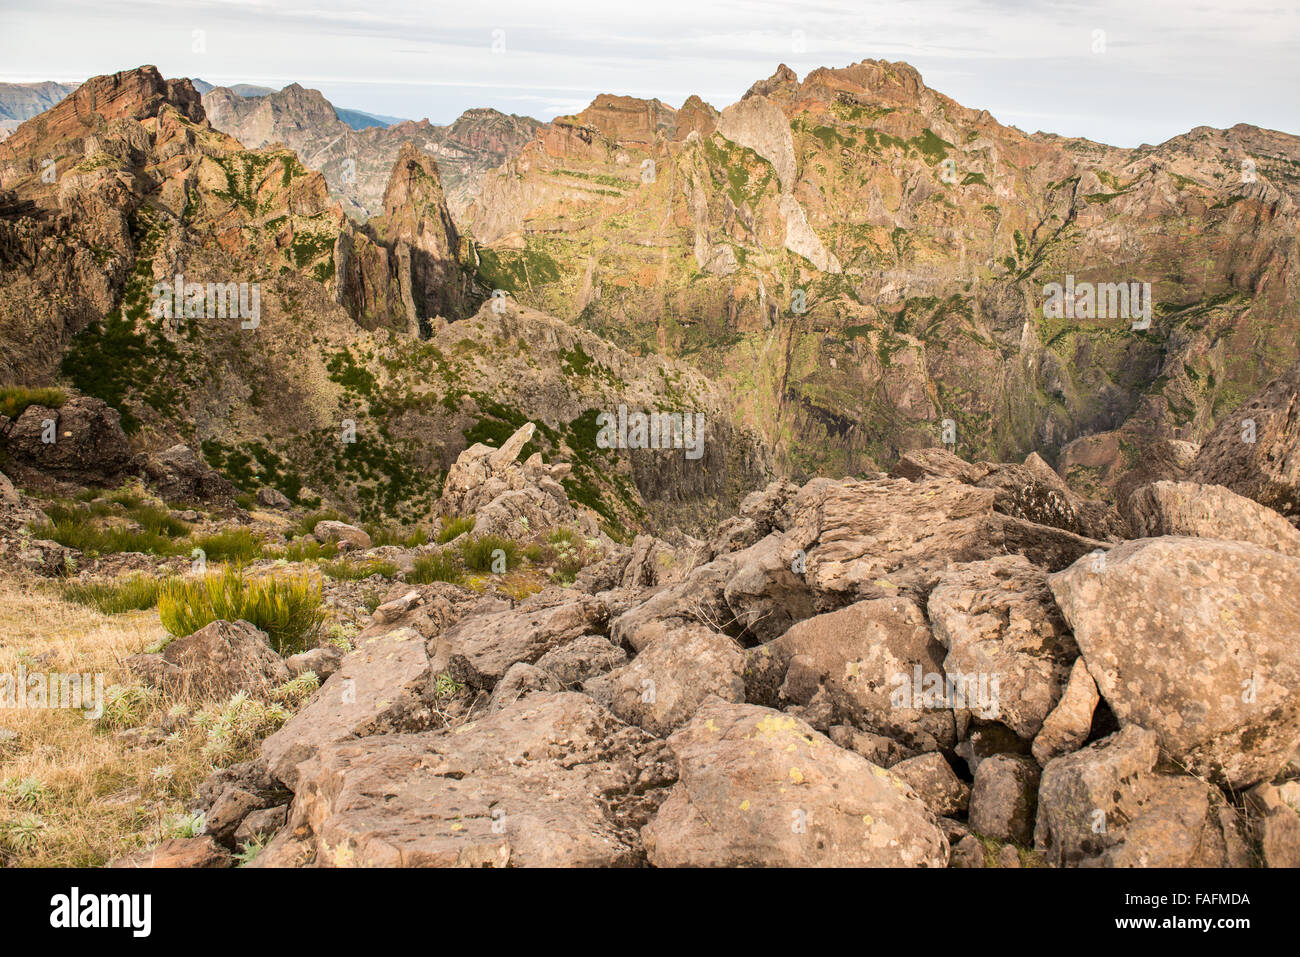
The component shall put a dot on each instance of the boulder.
(88, 444)
(1003, 631)
(178, 474)
(273, 498)
(520, 680)
(1208, 511)
(1106, 806)
(178, 852)
(867, 658)
(1004, 798)
(221, 659)
(1193, 638)
(553, 780)
(932, 777)
(582, 658)
(481, 648)
(759, 788)
(662, 687)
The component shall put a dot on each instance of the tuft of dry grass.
(77, 792)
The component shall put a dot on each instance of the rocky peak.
(627, 119)
(137, 94)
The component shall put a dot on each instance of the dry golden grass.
(73, 793)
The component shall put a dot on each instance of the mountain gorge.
(858, 258)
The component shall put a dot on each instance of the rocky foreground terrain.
(955, 664)
(367, 576)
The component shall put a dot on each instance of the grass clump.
(305, 550)
(402, 538)
(344, 570)
(230, 545)
(454, 526)
(439, 567)
(290, 611)
(479, 553)
(134, 593)
(14, 399)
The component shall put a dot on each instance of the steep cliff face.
(356, 163)
(299, 350)
(860, 258)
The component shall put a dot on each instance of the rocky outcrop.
(1208, 511)
(179, 475)
(81, 440)
(1255, 450)
(1191, 638)
(551, 780)
(759, 788)
(217, 661)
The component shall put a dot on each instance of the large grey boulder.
(1195, 639)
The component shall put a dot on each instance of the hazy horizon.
(1112, 72)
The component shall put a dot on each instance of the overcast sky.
(1120, 71)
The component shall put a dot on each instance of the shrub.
(15, 399)
(305, 550)
(404, 538)
(477, 552)
(307, 524)
(440, 567)
(451, 527)
(114, 597)
(290, 611)
(345, 570)
(233, 544)
(77, 529)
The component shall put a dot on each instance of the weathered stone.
(1004, 798)
(759, 788)
(217, 661)
(322, 662)
(273, 498)
(931, 777)
(384, 685)
(1005, 636)
(88, 442)
(1255, 450)
(1193, 639)
(582, 658)
(260, 825)
(481, 648)
(662, 687)
(1106, 806)
(1209, 511)
(1067, 727)
(867, 657)
(546, 782)
(520, 680)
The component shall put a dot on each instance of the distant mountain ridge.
(355, 151)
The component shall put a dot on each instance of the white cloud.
(1168, 65)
